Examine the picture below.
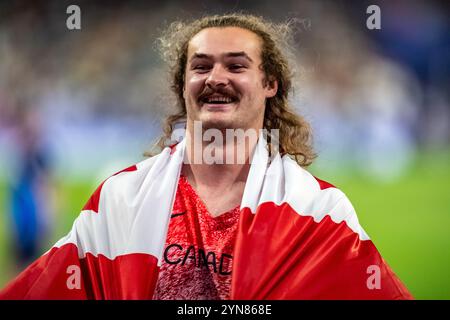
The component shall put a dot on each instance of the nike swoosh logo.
(177, 214)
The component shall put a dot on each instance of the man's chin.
(220, 124)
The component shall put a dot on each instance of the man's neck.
(220, 184)
(217, 164)
(219, 177)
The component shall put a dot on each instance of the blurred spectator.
(29, 197)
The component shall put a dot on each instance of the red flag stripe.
(321, 260)
(131, 276)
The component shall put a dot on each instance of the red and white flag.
(298, 238)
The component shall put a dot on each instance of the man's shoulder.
(304, 181)
(133, 174)
(122, 183)
(323, 184)
(311, 196)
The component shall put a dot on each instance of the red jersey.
(197, 258)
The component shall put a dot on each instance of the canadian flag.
(298, 238)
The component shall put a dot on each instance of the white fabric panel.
(286, 182)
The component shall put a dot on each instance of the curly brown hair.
(295, 134)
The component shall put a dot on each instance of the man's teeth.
(219, 100)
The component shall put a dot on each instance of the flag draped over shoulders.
(298, 238)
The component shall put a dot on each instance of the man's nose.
(217, 77)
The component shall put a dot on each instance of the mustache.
(207, 91)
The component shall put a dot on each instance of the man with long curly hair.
(193, 222)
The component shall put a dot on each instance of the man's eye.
(236, 67)
(200, 68)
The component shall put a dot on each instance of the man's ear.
(271, 87)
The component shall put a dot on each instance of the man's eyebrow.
(198, 55)
(239, 54)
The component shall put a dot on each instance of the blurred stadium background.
(76, 106)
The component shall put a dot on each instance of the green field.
(408, 220)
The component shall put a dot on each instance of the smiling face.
(224, 84)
